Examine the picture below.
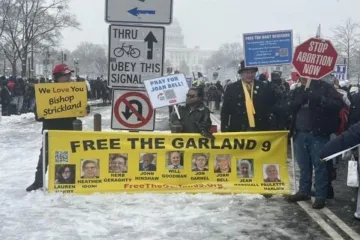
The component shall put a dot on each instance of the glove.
(207, 135)
(87, 109)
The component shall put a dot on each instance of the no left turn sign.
(132, 110)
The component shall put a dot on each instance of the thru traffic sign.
(132, 110)
(139, 11)
(136, 53)
(315, 58)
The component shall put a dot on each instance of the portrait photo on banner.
(245, 168)
(90, 168)
(147, 162)
(175, 160)
(222, 163)
(65, 174)
(271, 173)
(200, 162)
(118, 163)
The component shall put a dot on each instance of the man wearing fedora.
(247, 103)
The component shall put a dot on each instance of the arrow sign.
(136, 12)
(127, 114)
(150, 39)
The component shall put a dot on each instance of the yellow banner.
(88, 162)
(61, 100)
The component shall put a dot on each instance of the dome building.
(179, 56)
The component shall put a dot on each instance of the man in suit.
(175, 159)
(201, 163)
(147, 164)
(248, 104)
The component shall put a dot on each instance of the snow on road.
(129, 216)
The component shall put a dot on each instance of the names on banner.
(88, 162)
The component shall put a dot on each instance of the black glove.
(87, 109)
(207, 135)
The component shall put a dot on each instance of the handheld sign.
(268, 48)
(315, 58)
(168, 90)
(61, 100)
(340, 72)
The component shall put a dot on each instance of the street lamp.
(76, 63)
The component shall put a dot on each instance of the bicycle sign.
(136, 53)
(129, 50)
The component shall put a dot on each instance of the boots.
(37, 184)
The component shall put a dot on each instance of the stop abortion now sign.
(315, 58)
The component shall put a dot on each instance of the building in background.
(180, 57)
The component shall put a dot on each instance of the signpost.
(139, 11)
(132, 110)
(268, 48)
(136, 53)
(315, 58)
(340, 72)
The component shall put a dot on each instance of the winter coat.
(212, 93)
(324, 103)
(233, 113)
(347, 139)
(193, 121)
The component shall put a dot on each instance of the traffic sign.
(136, 53)
(139, 11)
(268, 48)
(315, 58)
(132, 110)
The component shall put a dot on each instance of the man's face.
(66, 174)
(90, 170)
(191, 97)
(244, 169)
(118, 164)
(65, 78)
(147, 160)
(175, 158)
(272, 173)
(248, 76)
(200, 162)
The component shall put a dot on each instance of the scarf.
(250, 110)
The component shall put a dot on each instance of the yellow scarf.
(250, 110)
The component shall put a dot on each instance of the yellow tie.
(250, 110)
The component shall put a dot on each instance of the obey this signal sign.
(132, 110)
(315, 58)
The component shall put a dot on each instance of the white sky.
(210, 23)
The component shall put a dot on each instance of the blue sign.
(189, 82)
(268, 48)
(340, 71)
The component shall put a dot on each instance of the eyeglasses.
(190, 96)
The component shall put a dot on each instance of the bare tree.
(346, 39)
(92, 59)
(228, 56)
(31, 23)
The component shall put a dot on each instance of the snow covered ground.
(129, 216)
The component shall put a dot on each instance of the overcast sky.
(210, 23)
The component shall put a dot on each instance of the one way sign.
(132, 110)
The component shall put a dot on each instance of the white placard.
(167, 90)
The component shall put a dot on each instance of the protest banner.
(61, 100)
(89, 162)
(167, 90)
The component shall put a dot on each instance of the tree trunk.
(14, 68)
(24, 63)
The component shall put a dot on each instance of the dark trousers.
(39, 169)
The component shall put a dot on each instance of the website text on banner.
(167, 90)
(61, 100)
(88, 162)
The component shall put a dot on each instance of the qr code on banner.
(283, 52)
(170, 94)
(61, 157)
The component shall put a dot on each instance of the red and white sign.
(132, 110)
(315, 58)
